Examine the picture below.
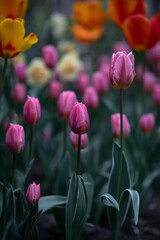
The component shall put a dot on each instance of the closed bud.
(122, 69)
(19, 92)
(82, 82)
(149, 80)
(139, 72)
(147, 122)
(156, 94)
(116, 125)
(32, 110)
(50, 56)
(90, 98)
(54, 89)
(33, 193)
(74, 140)
(15, 138)
(65, 103)
(100, 82)
(20, 71)
(79, 119)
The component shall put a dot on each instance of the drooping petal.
(28, 42)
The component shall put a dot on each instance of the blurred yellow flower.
(65, 46)
(37, 73)
(69, 67)
(59, 24)
(12, 41)
(13, 8)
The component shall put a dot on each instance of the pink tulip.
(100, 82)
(33, 193)
(82, 82)
(65, 103)
(90, 98)
(121, 46)
(116, 125)
(50, 56)
(147, 122)
(20, 71)
(149, 80)
(156, 94)
(32, 110)
(103, 59)
(46, 135)
(139, 72)
(54, 89)
(122, 69)
(74, 140)
(153, 54)
(15, 138)
(79, 119)
(104, 68)
(19, 92)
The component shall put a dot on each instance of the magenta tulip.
(50, 56)
(74, 140)
(33, 193)
(90, 98)
(147, 122)
(32, 110)
(116, 126)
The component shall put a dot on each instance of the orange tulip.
(12, 41)
(86, 35)
(13, 8)
(89, 14)
(140, 32)
(119, 10)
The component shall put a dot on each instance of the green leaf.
(11, 206)
(110, 201)
(135, 202)
(116, 188)
(48, 202)
(28, 169)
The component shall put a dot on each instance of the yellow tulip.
(12, 41)
(13, 8)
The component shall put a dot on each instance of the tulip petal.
(28, 42)
(154, 33)
(136, 30)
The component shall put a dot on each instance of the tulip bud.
(156, 94)
(147, 123)
(33, 193)
(139, 72)
(90, 98)
(82, 82)
(116, 125)
(32, 110)
(122, 69)
(100, 82)
(65, 103)
(19, 92)
(74, 140)
(50, 56)
(20, 71)
(149, 80)
(15, 138)
(54, 90)
(79, 119)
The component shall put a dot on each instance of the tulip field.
(79, 120)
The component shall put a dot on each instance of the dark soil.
(147, 229)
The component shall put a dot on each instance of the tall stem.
(121, 115)
(65, 136)
(13, 167)
(79, 153)
(30, 145)
(2, 82)
(3, 217)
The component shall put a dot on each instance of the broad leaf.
(110, 201)
(48, 202)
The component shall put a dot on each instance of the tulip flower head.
(90, 98)
(66, 101)
(100, 82)
(79, 119)
(82, 82)
(19, 92)
(149, 80)
(122, 69)
(156, 94)
(15, 138)
(32, 110)
(54, 89)
(147, 122)
(20, 71)
(116, 126)
(12, 33)
(74, 140)
(33, 193)
(50, 56)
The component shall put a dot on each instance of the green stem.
(65, 136)
(13, 167)
(2, 83)
(4, 208)
(30, 145)
(79, 153)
